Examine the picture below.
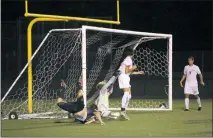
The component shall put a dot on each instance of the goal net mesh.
(59, 57)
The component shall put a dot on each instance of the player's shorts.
(90, 112)
(71, 107)
(124, 81)
(83, 120)
(191, 90)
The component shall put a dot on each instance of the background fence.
(14, 56)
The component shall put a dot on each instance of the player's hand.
(134, 67)
(141, 72)
(202, 83)
(102, 123)
(181, 84)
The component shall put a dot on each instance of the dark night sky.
(189, 22)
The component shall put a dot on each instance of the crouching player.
(102, 101)
(80, 112)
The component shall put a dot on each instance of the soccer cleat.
(124, 115)
(186, 110)
(199, 108)
(113, 117)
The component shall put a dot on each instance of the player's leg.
(186, 102)
(124, 84)
(109, 114)
(187, 92)
(71, 107)
(196, 94)
(125, 102)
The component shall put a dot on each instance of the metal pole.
(19, 37)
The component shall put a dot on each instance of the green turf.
(175, 123)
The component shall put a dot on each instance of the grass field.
(174, 123)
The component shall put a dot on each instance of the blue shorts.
(90, 113)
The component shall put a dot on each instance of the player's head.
(191, 60)
(100, 84)
(129, 52)
(79, 85)
(94, 107)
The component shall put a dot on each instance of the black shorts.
(71, 107)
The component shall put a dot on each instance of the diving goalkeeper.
(102, 101)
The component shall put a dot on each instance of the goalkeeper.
(71, 107)
(102, 101)
(80, 112)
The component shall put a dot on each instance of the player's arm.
(201, 76)
(201, 79)
(130, 70)
(133, 72)
(183, 77)
(98, 116)
(90, 121)
(110, 89)
(80, 93)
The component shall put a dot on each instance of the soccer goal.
(92, 54)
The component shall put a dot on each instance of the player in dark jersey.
(72, 107)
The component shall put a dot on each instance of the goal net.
(92, 54)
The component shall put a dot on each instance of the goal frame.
(101, 29)
(84, 63)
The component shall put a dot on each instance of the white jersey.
(191, 75)
(127, 62)
(103, 100)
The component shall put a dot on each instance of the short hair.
(100, 84)
(191, 57)
(79, 86)
(129, 52)
(94, 107)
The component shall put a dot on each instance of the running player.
(191, 85)
(126, 69)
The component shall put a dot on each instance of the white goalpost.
(92, 54)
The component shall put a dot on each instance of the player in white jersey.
(126, 69)
(102, 101)
(191, 85)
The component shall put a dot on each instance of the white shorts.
(124, 81)
(191, 90)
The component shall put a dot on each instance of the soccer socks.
(128, 99)
(198, 102)
(187, 103)
(124, 101)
